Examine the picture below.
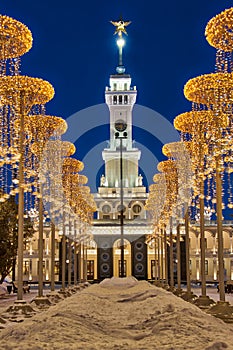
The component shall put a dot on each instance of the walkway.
(213, 294)
(9, 299)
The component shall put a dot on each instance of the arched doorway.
(91, 260)
(117, 258)
(152, 256)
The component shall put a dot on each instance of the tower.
(120, 98)
(120, 228)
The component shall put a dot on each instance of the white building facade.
(121, 166)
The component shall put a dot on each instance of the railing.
(34, 253)
(212, 223)
(132, 88)
(210, 251)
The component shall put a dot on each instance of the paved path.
(213, 294)
(7, 300)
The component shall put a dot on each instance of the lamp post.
(195, 124)
(161, 255)
(171, 258)
(178, 152)
(121, 138)
(53, 229)
(159, 259)
(75, 252)
(189, 294)
(64, 252)
(41, 128)
(69, 257)
(21, 202)
(155, 204)
(179, 290)
(165, 257)
(169, 169)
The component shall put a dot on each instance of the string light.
(16, 38)
(219, 32)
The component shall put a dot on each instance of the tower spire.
(120, 28)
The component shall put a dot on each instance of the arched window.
(119, 208)
(115, 99)
(120, 99)
(106, 209)
(137, 208)
(125, 99)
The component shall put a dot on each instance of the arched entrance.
(117, 258)
(152, 256)
(91, 260)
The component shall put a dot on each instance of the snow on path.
(120, 314)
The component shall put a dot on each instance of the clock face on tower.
(120, 125)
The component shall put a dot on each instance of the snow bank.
(115, 282)
(122, 315)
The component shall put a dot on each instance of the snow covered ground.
(120, 314)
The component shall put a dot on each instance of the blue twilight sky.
(74, 49)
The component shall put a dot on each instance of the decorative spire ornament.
(120, 28)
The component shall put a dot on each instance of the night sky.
(75, 50)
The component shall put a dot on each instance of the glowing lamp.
(120, 42)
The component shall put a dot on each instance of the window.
(106, 209)
(119, 208)
(120, 99)
(56, 268)
(26, 267)
(57, 243)
(90, 269)
(206, 267)
(26, 245)
(115, 99)
(38, 267)
(125, 86)
(137, 208)
(125, 99)
(152, 269)
(119, 269)
(106, 217)
(114, 86)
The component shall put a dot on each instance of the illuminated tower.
(120, 98)
(120, 228)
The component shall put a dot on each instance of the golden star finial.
(120, 27)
